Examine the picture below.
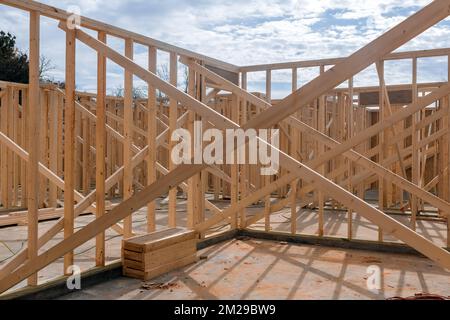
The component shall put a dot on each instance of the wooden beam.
(5, 102)
(294, 79)
(194, 181)
(293, 199)
(243, 168)
(151, 139)
(321, 119)
(415, 173)
(69, 142)
(86, 153)
(401, 55)
(381, 142)
(173, 116)
(128, 135)
(34, 133)
(350, 168)
(269, 86)
(294, 152)
(447, 158)
(234, 167)
(53, 145)
(100, 145)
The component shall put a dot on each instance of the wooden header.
(399, 97)
(233, 77)
(443, 52)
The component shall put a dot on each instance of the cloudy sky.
(243, 33)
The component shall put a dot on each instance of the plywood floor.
(256, 269)
(12, 239)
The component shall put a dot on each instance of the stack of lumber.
(148, 256)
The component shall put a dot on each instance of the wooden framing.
(69, 142)
(128, 138)
(100, 154)
(173, 116)
(152, 133)
(327, 152)
(33, 156)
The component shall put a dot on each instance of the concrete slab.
(258, 269)
(13, 239)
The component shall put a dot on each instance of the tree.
(138, 92)
(45, 66)
(13, 63)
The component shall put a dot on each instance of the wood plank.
(415, 173)
(153, 259)
(69, 142)
(128, 135)
(4, 151)
(33, 124)
(321, 119)
(151, 139)
(243, 168)
(350, 167)
(173, 116)
(194, 181)
(53, 150)
(147, 275)
(158, 239)
(132, 255)
(381, 143)
(395, 97)
(100, 145)
(234, 167)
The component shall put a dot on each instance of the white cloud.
(250, 32)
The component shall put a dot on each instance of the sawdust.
(422, 296)
(158, 285)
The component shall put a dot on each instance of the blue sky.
(243, 33)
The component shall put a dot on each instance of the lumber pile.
(148, 256)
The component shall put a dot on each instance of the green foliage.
(13, 63)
